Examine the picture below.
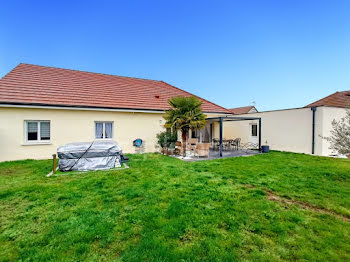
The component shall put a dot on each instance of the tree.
(185, 114)
(340, 135)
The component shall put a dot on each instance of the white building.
(296, 130)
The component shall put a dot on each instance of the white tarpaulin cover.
(87, 156)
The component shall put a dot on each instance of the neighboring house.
(297, 129)
(243, 110)
(42, 108)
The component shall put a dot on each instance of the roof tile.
(33, 84)
(337, 99)
(242, 110)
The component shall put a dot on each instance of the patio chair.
(202, 149)
(216, 143)
(192, 144)
(236, 143)
(178, 148)
(229, 144)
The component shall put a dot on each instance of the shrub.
(166, 140)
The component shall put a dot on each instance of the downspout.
(313, 109)
(220, 136)
(260, 134)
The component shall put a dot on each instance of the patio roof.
(234, 118)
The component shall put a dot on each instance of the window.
(254, 130)
(37, 131)
(103, 130)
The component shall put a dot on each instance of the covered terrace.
(221, 121)
(210, 142)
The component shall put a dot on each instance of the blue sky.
(280, 54)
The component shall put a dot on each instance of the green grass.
(163, 209)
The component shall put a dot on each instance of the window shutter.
(44, 130)
(32, 127)
(32, 131)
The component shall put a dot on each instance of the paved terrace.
(225, 154)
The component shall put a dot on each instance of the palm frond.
(185, 113)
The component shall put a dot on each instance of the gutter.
(89, 108)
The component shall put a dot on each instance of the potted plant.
(265, 148)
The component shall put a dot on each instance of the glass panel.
(254, 130)
(108, 130)
(32, 131)
(44, 130)
(99, 130)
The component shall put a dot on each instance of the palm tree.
(185, 114)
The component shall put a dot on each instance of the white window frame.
(104, 129)
(38, 141)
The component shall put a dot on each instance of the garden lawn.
(163, 209)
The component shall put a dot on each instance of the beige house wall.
(74, 126)
(290, 129)
(285, 130)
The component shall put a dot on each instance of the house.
(298, 130)
(43, 107)
(243, 110)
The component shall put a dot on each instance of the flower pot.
(265, 149)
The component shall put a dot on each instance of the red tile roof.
(242, 110)
(337, 99)
(41, 85)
